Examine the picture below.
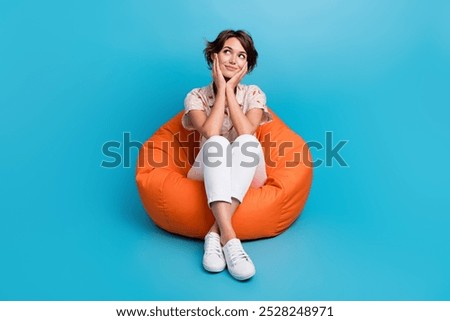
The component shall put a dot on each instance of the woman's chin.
(228, 74)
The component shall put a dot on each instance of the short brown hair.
(244, 38)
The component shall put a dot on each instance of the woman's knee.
(247, 142)
(217, 140)
(216, 146)
(246, 138)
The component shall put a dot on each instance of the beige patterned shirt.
(247, 96)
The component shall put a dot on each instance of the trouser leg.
(247, 164)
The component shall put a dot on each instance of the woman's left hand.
(236, 79)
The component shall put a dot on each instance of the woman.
(227, 113)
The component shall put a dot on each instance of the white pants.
(228, 169)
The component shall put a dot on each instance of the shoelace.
(213, 246)
(237, 254)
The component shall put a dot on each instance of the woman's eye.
(226, 51)
(242, 56)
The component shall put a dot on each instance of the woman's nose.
(232, 59)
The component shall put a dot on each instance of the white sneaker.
(239, 264)
(213, 260)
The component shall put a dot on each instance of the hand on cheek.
(236, 79)
(217, 75)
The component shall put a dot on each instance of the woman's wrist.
(230, 92)
(221, 91)
(221, 97)
(230, 87)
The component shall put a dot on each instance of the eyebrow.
(228, 47)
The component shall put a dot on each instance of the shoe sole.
(241, 277)
(212, 270)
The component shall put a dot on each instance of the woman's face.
(232, 57)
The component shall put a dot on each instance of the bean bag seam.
(164, 206)
(282, 210)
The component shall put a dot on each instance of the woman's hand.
(236, 79)
(217, 75)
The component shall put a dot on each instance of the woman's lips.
(231, 68)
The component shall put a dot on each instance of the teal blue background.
(75, 75)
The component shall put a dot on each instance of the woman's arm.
(212, 125)
(243, 123)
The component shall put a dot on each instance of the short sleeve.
(194, 100)
(257, 99)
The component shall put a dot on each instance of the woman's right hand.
(217, 75)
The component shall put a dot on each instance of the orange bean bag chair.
(178, 204)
